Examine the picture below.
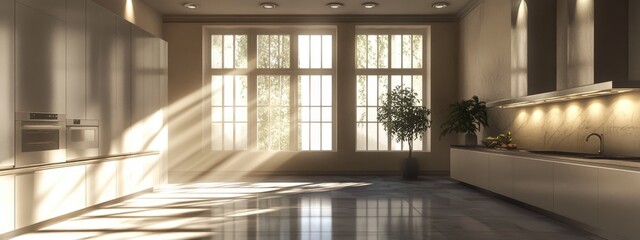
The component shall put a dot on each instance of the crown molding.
(239, 19)
(471, 5)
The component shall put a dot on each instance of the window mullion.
(252, 84)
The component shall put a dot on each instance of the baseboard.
(39, 225)
(186, 176)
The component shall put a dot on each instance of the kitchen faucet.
(601, 138)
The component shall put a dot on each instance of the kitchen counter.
(611, 163)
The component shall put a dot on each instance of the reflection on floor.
(310, 208)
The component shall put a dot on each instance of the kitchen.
(552, 72)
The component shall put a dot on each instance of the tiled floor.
(309, 208)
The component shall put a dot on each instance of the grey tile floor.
(310, 208)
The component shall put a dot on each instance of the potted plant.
(405, 121)
(466, 116)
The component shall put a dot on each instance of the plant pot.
(410, 170)
(470, 139)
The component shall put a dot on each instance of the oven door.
(82, 142)
(40, 142)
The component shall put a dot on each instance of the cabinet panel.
(101, 32)
(6, 84)
(40, 44)
(122, 97)
(76, 59)
(501, 174)
(574, 193)
(470, 167)
(7, 204)
(533, 182)
(101, 183)
(619, 208)
(50, 193)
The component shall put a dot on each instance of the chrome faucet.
(601, 138)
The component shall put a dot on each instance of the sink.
(587, 155)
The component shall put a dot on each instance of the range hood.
(587, 91)
(588, 48)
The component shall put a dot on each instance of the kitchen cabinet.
(501, 174)
(470, 167)
(76, 59)
(533, 182)
(574, 193)
(47, 194)
(7, 84)
(101, 70)
(101, 183)
(40, 48)
(139, 73)
(619, 202)
(7, 203)
(122, 95)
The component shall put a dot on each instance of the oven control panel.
(43, 116)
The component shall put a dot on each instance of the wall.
(187, 156)
(560, 126)
(136, 12)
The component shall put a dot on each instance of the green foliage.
(402, 118)
(466, 116)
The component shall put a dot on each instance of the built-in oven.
(40, 138)
(82, 138)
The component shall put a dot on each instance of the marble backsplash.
(564, 126)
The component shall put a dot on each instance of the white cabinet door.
(101, 62)
(533, 182)
(619, 206)
(76, 62)
(501, 174)
(6, 84)
(471, 167)
(101, 182)
(138, 74)
(575, 193)
(122, 94)
(40, 48)
(7, 203)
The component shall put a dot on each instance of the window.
(272, 88)
(386, 58)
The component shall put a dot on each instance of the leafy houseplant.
(466, 116)
(405, 121)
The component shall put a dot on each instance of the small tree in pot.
(466, 116)
(405, 121)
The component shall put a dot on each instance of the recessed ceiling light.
(334, 5)
(370, 4)
(190, 5)
(440, 5)
(268, 5)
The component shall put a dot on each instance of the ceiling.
(304, 7)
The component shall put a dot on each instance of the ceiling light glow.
(190, 5)
(440, 5)
(370, 4)
(268, 5)
(334, 5)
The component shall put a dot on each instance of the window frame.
(252, 72)
(424, 71)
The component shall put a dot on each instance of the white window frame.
(424, 72)
(252, 72)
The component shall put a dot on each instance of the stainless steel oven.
(82, 138)
(40, 138)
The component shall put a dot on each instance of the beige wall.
(485, 69)
(186, 126)
(136, 12)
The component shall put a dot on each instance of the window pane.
(361, 139)
(326, 90)
(372, 90)
(326, 136)
(361, 114)
(315, 90)
(361, 90)
(228, 136)
(216, 90)
(273, 51)
(396, 51)
(326, 114)
(241, 114)
(228, 51)
(241, 91)
(216, 51)
(273, 112)
(241, 135)
(315, 141)
(216, 114)
(315, 114)
(417, 51)
(383, 138)
(304, 136)
(316, 48)
(229, 92)
(327, 50)
(383, 51)
(372, 51)
(407, 51)
(241, 51)
(263, 51)
(216, 136)
(303, 51)
(361, 51)
(372, 133)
